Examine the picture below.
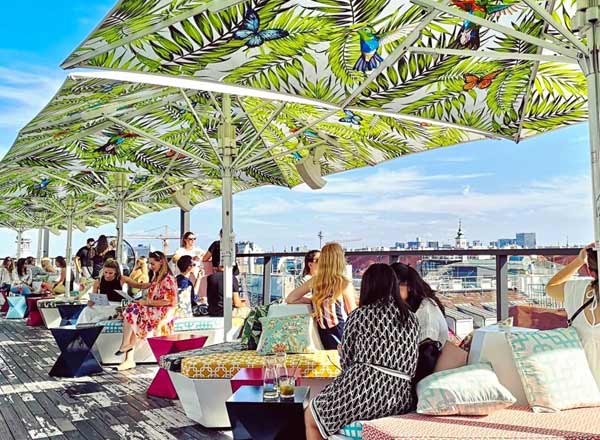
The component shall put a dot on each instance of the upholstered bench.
(511, 423)
(203, 380)
(110, 339)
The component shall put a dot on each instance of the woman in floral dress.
(153, 315)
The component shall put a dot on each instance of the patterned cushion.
(252, 328)
(554, 370)
(471, 390)
(285, 333)
(181, 324)
(323, 363)
(184, 303)
(172, 362)
(353, 430)
(54, 303)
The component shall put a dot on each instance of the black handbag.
(579, 310)
(429, 352)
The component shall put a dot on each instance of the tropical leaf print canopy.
(380, 59)
(170, 136)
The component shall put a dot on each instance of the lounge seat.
(512, 423)
(49, 309)
(203, 382)
(109, 340)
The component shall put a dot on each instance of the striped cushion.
(181, 324)
(322, 363)
(353, 430)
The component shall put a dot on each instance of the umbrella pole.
(69, 251)
(227, 248)
(591, 67)
(19, 240)
(120, 222)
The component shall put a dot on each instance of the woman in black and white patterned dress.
(379, 356)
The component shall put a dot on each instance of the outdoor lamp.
(309, 169)
(181, 197)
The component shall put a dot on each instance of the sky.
(497, 188)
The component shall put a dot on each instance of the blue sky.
(497, 188)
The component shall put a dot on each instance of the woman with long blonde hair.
(333, 296)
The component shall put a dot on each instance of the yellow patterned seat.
(320, 364)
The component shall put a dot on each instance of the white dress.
(589, 334)
(432, 322)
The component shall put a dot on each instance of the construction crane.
(165, 237)
(349, 240)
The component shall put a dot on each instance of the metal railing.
(262, 283)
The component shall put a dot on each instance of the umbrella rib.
(283, 154)
(159, 141)
(571, 53)
(493, 55)
(101, 182)
(244, 153)
(199, 121)
(557, 26)
(172, 185)
(393, 57)
(51, 173)
(531, 81)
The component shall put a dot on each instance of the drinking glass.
(287, 385)
(270, 391)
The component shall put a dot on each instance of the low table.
(161, 385)
(69, 313)
(34, 317)
(17, 307)
(252, 377)
(76, 358)
(4, 308)
(253, 418)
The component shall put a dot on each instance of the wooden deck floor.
(111, 405)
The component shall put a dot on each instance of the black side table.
(69, 313)
(253, 418)
(76, 358)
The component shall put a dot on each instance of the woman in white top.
(424, 303)
(574, 293)
(8, 273)
(188, 247)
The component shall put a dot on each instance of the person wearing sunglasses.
(188, 247)
(153, 315)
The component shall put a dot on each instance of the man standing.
(214, 252)
(84, 259)
(214, 293)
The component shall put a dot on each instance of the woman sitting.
(430, 312)
(311, 266)
(47, 266)
(8, 274)
(108, 284)
(139, 274)
(154, 314)
(333, 296)
(378, 355)
(581, 299)
(24, 278)
(58, 287)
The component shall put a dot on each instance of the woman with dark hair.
(311, 265)
(23, 272)
(581, 300)
(102, 248)
(8, 273)
(378, 355)
(188, 247)
(58, 287)
(424, 303)
(154, 314)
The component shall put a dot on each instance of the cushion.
(471, 390)
(184, 303)
(181, 324)
(299, 309)
(322, 364)
(252, 328)
(554, 370)
(289, 334)
(352, 430)
(172, 362)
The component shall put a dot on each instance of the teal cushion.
(473, 390)
(285, 333)
(181, 324)
(353, 430)
(554, 370)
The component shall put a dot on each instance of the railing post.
(394, 258)
(184, 223)
(501, 287)
(267, 270)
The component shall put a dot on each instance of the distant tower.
(460, 240)
(320, 235)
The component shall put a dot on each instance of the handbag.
(429, 352)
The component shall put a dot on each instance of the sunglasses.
(191, 238)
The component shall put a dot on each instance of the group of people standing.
(398, 316)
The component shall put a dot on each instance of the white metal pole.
(19, 242)
(69, 250)
(227, 248)
(120, 223)
(40, 241)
